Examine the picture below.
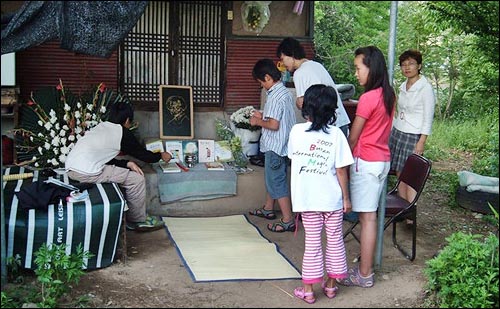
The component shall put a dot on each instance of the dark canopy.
(89, 27)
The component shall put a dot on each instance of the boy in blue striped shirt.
(276, 121)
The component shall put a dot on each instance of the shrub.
(465, 273)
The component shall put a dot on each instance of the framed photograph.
(176, 112)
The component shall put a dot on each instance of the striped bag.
(95, 223)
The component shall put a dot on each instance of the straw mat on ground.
(227, 248)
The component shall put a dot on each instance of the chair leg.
(350, 230)
(414, 239)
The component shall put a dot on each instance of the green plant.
(224, 132)
(13, 264)
(7, 302)
(56, 271)
(465, 273)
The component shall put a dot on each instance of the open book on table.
(170, 167)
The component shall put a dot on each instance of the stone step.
(250, 194)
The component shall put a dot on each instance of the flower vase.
(249, 140)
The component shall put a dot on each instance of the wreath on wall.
(255, 15)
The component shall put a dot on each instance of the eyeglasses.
(406, 65)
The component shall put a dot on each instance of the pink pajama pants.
(334, 261)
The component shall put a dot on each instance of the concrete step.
(251, 193)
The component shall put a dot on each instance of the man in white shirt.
(307, 73)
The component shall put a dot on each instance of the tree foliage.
(459, 42)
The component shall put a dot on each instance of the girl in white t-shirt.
(319, 184)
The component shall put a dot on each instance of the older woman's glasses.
(410, 64)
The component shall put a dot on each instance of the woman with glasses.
(413, 118)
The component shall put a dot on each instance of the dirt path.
(155, 277)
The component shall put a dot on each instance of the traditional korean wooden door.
(176, 43)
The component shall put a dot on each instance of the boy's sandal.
(263, 213)
(354, 278)
(329, 292)
(283, 226)
(308, 297)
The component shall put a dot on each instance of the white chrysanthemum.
(66, 117)
(40, 123)
(56, 150)
(67, 108)
(62, 158)
(56, 140)
(78, 115)
(78, 130)
(52, 133)
(64, 150)
(62, 133)
(46, 145)
(54, 162)
(63, 140)
(48, 125)
(40, 150)
(58, 126)
(71, 137)
(79, 105)
(40, 134)
(90, 107)
(52, 113)
(91, 124)
(31, 138)
(34, 158)
(36, 164)
(103, 109)
(65, 127)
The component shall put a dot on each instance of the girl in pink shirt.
(369, 142)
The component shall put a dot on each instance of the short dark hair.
(292, 48)
(411, 53)
(320, 104)
(120, 111)
(263, 67)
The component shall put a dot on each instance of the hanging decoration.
(299, 5)
(255, 15)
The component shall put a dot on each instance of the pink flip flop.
(329, 292)
(308, 297)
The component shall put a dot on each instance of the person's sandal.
(151, 224)
(354, 278)
(308, 297)
(263, 213)
(329, 292)
(283, 226)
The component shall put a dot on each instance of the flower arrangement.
(241, 118)
(224, 132)
(255, 15)
(54, 119)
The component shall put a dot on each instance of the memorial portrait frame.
(176, 112)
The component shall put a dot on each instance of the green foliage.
(479, 137)
(56, 271)
(341, 27)
(13, 264)
(224, 132)
(458, 40)
(465, 273)
(8, 302)
(472, 17)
